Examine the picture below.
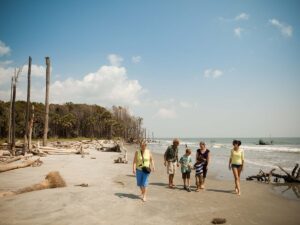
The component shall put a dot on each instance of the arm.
(243, 160)
(165, 158)
(176, 156)
(152, 162)
(134, 163)
(229, 165)
(208, 158)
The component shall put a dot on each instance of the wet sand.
(112, 196)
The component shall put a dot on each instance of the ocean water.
(284, 152)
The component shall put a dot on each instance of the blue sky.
(189, 68)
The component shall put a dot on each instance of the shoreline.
(112, 196)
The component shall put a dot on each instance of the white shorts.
(171, 167)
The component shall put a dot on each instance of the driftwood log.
(293, 177)
(12, 166)
(52, 180)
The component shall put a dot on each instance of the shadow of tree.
(126, 195)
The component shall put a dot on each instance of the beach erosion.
(112, 196)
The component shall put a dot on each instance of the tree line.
(71, 120)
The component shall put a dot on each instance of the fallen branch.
(4, 168)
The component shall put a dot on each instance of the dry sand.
(112, 197)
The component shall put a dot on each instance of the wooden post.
(27, 107)
(47, 101)
(10, 111)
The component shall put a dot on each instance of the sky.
(189, 68)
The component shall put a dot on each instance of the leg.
(144, 186)
(197, 182)
(144, 194)
(239, 179)
(236, 179)
(201, 181)
(172, 180)
(203, 177)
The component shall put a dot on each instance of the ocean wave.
(269, 148)
(268, 165)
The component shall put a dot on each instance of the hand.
(133, 171)
(165, 163)
(229, 167)
(153, 169)
(177, 164)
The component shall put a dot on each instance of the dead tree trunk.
(30, 128)
(10, 112)
(27, 107)
(13, 117)
(47, 101)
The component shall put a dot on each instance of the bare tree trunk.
(30, 128)
(27, 107)
(10, 112)
(47, 101)
(13, 117)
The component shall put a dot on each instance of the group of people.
(143, 165)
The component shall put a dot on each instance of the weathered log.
(4, 168)
(52, 180)
(13, 159)
(4, 153)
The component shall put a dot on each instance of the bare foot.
(144, 199)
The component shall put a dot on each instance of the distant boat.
(262, 142)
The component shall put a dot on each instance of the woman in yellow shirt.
(236, 163)
(143, 164)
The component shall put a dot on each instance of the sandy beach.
(112, 196)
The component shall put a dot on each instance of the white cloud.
(185, 104)
(285, 29)
(242, 16)
(164, 113)
(213, 73)
(136, 59)
(36, 70)
(108, 85)
(5, 75)
(115, 60)
(4, 49)
(238, 31)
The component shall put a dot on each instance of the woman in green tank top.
(143, 159)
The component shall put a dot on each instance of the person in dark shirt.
(171, 161)
(203, 154)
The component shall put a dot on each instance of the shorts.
(171, 167)
(236, 166)
(186, 175)
(142, 178)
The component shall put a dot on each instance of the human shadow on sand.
(126, 195)
(130, 175)
(159, 184)
(222, 191)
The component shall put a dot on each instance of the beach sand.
(112, 196)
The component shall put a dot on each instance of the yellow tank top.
(237, 156)
(139, 159)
